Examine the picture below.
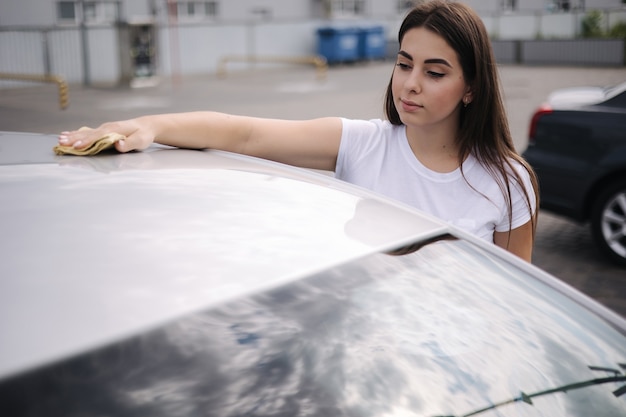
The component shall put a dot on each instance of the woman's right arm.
(307, 143)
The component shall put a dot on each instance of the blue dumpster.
(372, 44)
(338, 44)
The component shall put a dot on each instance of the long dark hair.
(484, 129)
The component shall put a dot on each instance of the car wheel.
(608, 221)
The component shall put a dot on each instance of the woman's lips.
(409, 106)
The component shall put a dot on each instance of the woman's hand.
(137, 134)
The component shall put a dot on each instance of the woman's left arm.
(518, 241)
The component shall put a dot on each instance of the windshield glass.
(447, 330)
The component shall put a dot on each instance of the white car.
(176, 282)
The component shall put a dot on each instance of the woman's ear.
(468, 97)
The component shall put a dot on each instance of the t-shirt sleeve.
(521, 215)
(359, 138)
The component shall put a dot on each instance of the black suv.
(577, 145)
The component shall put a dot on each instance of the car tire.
(608, 221)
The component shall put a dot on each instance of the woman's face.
(428, 85)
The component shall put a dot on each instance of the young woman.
(445, 148)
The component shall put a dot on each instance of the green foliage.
(618, 30)
(592, 24)
(592, 27)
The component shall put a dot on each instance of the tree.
(592, 24)
(618, 30)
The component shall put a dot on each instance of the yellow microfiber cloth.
(105, 142)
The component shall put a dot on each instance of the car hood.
(97, 248)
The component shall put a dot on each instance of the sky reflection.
(428, 334)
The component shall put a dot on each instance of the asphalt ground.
(563, 248)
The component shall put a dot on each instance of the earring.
(465, 101)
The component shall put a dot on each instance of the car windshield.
(447, 330)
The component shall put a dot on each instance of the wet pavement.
(563, 248)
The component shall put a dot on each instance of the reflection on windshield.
(444, 331)
(414, 247)
(527, 398)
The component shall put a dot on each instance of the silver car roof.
(99, 248)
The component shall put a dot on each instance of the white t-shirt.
(376, 155)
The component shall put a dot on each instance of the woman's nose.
(414, 82)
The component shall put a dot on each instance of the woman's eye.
(435, 74)
(403, 66)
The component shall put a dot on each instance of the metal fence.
(573, 52)
(41, 52)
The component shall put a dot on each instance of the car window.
(445, 330)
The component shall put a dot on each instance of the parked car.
(577, 145)
(177, 282)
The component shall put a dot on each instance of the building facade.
(110, 42)
(45, 13)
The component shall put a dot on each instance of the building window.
(348, 7)
(66, 10)
(210, 8)
(509, 5)
(91, 12)
(563, 5)
(196, 10)
(404, 5)
(101, 11)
